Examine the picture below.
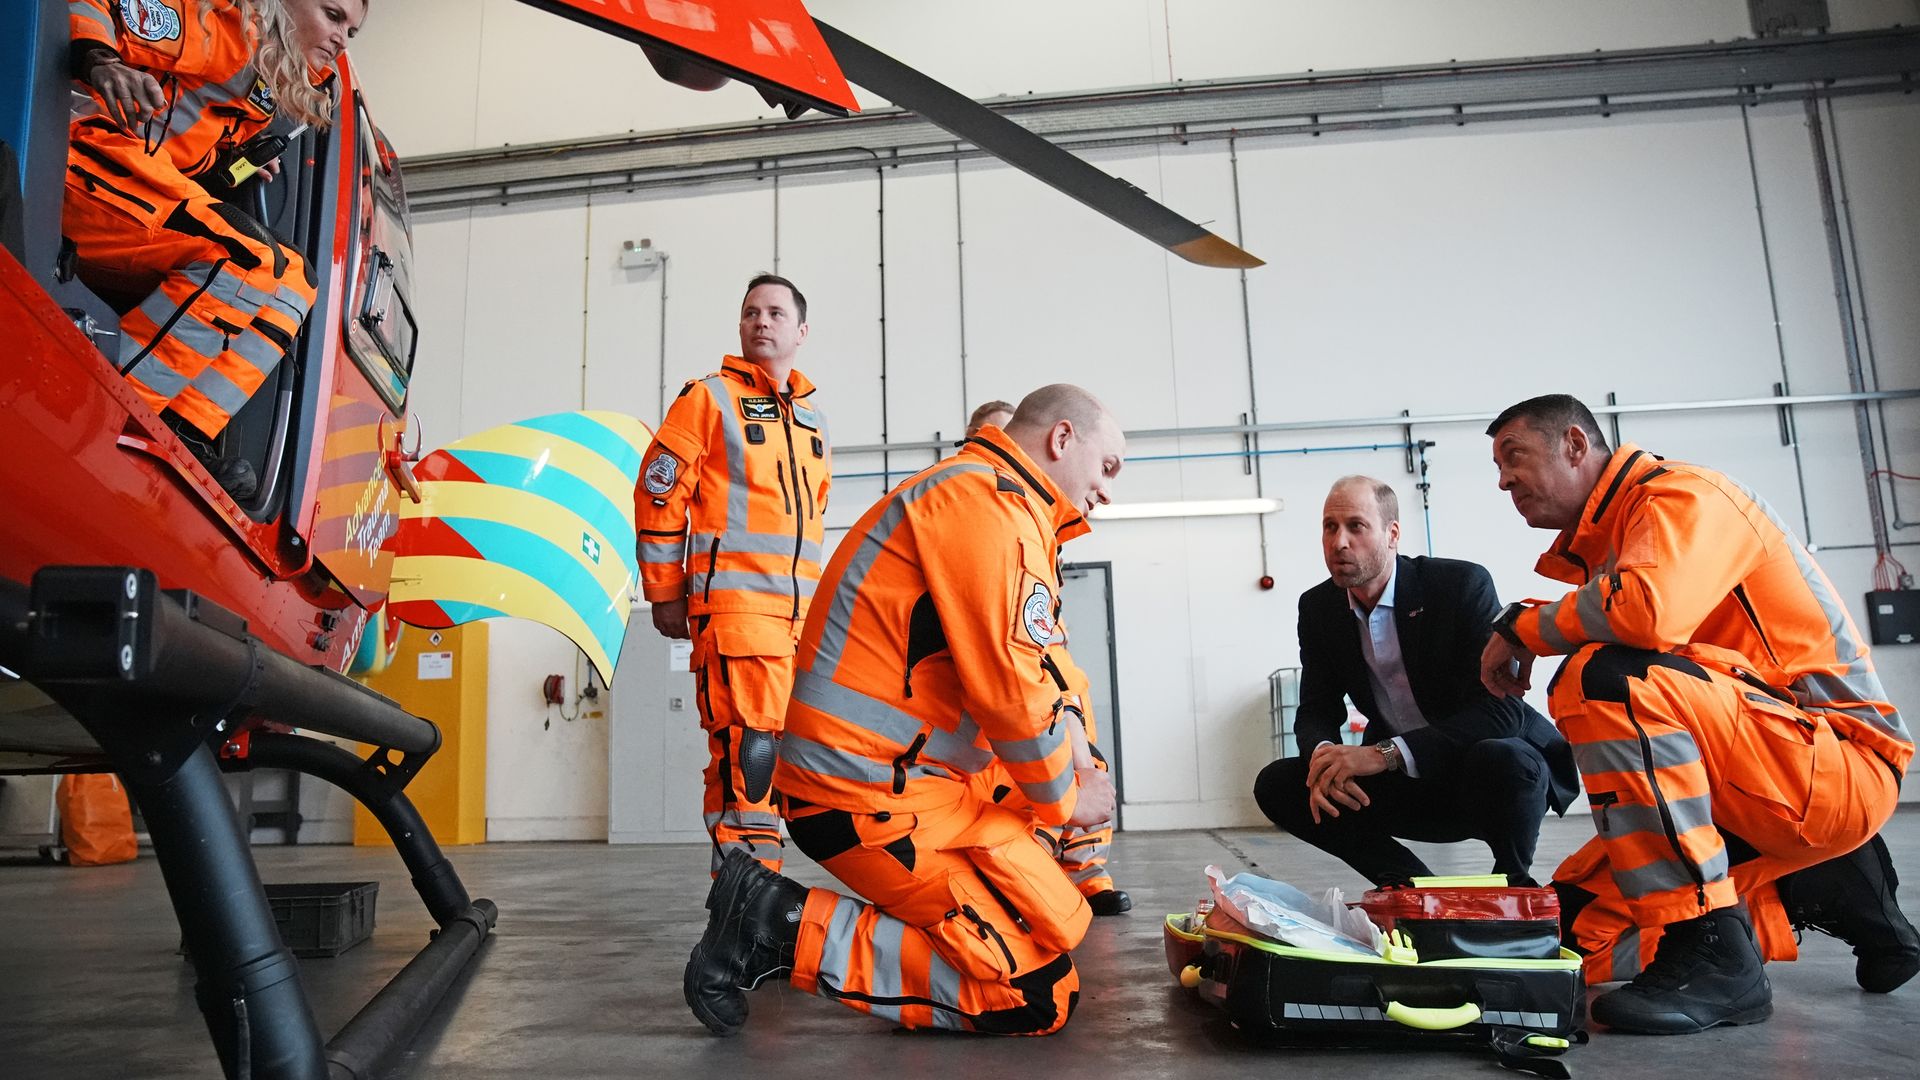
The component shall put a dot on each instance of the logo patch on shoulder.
(1036, 614)
(661, 472)
(150, 20)
(759, 408)
(261, 97)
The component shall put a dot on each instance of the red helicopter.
(164, 630)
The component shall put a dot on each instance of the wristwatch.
(1390, 754)
(1503, 624)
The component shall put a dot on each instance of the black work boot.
(1851, 898)
(753, 923)
(1706, 972)
(1110, 902)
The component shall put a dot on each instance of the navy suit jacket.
(1443, 610)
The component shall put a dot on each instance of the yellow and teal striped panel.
(533, 520)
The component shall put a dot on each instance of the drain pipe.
(960, 262)
(663, 335)
(1843, 297)
(1252, 438)
(1866, 324)
(880, 179)
(1789, 432)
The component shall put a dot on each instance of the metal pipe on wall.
(663, 337)
(1790, 435)
(1198, 455)
(1843, 297)
(1443, 418)
(1866, 322)
(960, 287)
(1246, 334)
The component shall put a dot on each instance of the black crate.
(323, 918)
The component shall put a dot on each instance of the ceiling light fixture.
(1193, 508)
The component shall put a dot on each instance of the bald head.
(1071, 436)
(1049, 405)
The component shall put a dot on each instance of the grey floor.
(583, 980)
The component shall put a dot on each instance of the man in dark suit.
(1443, 760)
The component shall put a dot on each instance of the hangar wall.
(1439, 271)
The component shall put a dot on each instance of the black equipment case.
(1528, 1011)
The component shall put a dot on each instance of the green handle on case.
(1433, 1019)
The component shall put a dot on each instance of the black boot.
(1707, 972)
(1851, 898)
(753, 923)
(1110, 902)
(234, 474)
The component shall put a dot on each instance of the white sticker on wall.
(679, 656)
(436, 665)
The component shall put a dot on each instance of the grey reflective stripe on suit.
(833, 639)
(1662, 875)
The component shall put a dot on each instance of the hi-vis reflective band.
(534, 520)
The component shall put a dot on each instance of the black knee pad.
(249, 225)
(758, 752)
(1604, 678)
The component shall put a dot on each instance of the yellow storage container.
(441, 675)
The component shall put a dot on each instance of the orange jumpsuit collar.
(1583, 547)
(756, 376)
(993, 446)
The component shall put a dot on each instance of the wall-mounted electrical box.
(1893, 617)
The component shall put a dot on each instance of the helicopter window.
(381, 331)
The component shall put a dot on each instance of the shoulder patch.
(683, 390)
(1036, 615)
(759, 408)
(661, 472)
(150, 20)
(262, 97)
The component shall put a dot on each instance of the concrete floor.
(582, 980)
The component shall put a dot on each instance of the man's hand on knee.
(1328, 798)
(1505, 669)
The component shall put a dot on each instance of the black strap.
(1519, 1055)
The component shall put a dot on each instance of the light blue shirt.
(1387, 669)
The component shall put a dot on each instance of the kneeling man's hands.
(1333, 778)
(1094, 805)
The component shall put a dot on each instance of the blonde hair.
(279, 60)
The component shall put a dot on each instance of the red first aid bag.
(96, 821)
(1446, 922)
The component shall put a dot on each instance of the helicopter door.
(359, 497)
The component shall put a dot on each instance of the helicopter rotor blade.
(1030, 153)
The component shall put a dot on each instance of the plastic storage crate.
(323, 918)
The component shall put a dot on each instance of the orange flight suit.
(730, 509)
(1727, 722)
(1082, 853)
(230, 297)
(927, 663)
